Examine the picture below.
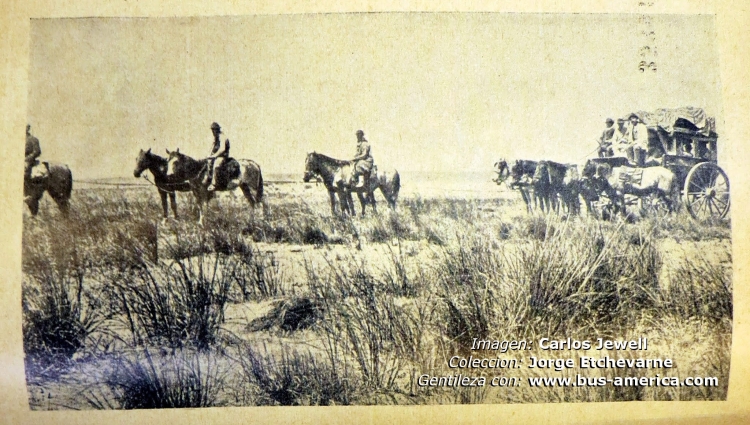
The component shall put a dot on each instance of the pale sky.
(432, 91)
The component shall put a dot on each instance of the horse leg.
(350, 203)
(248, 195)
(165, 210)
(173, 201)
(332, 195)
(33, 204)
(526, 200)
(362, 202)
(371, 197)
(200, 202)
(62, 203)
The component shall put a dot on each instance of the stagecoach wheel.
(653, 205)
(706, 192)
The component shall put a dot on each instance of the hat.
(609, 121)
(360, 133)
(216, 127)
(633, 115)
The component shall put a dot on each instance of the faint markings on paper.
(647, 51)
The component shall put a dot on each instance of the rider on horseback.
(362, 161)
(33, 151)
(217, 156)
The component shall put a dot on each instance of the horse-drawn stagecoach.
(680, 167)
(684, 141)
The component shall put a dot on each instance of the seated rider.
(638, 139)
(217, 156)
(33, 151)
(606, 140)
(621, 140)
(363, 162)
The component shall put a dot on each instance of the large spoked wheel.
(706, 192)
(654, 206)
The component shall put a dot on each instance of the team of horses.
(553, 186)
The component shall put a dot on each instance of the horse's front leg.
(526, 199)
(173, 201)
(332, 195)
(165, 211)
(349, 203)
(200, 202)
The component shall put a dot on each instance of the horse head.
(309, 168)
(142, 162)
(516, 172)
(502, 170)
(176, 164)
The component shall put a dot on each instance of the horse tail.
(396, 188)
(260, 185)
(68, 189)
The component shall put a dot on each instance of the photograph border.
(732, 18)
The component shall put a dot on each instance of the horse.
(567, 182)
(617, 182)
(525, 174)
(233, 173)
(158, 167)
(335, 174)
(57, 182)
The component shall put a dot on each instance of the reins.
(157, 186)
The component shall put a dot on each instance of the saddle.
(632, 176)
(227, 171)
(38, 171)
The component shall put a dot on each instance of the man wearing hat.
(638, 139)
(621, 138)
(217, 155)
(362, 161)
(605, 141)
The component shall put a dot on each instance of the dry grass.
(359, 307)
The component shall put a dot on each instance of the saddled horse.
(233, 173)
(158, 167)
(335, 174)
(616, 182)
(57, 181)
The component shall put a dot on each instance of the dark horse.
(567, 183)
(158, 167)
(233, 173)
(335, 174)
(57, 182)
(527, 175)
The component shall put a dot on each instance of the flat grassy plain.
(297, 307)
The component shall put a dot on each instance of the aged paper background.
(731, 25)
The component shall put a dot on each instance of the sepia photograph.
(376, 209)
